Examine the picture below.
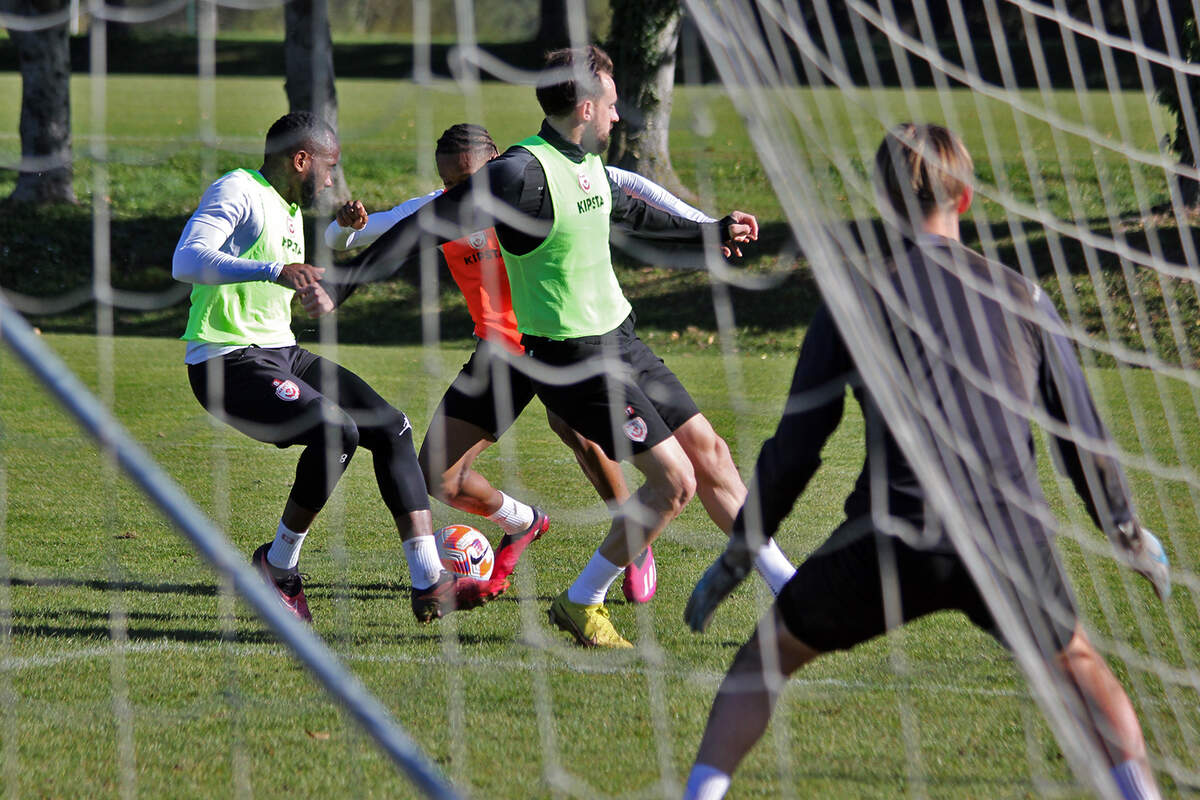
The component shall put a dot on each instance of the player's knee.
(432, 479)
(442, 481)
(447, 485)
(386, 428)
(1079, 658)
(711, 456)
(347, 431)
(720, 458)
(678, 488)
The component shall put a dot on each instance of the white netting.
(1074, 190)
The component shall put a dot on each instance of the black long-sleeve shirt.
(992, 350)
(508, 193)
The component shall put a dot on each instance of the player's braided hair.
(465, 137)
(298, 130)
(571, 75)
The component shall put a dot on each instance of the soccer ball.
(465, 551)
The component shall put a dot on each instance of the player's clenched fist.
(315, 300)
(740, 227)
(352, 215)
(299, 276)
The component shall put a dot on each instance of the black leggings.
(287, 396)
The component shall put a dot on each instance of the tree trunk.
(46, 173)
(643, 40)
(552, 25)
(308, 61)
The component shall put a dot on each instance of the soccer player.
(489, 393)
(552, 205)
(243, 251)
(985, 345)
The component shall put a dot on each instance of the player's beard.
(309, 188)
(599, 143)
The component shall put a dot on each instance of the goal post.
(225, 560)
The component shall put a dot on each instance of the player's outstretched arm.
(1086, 458)
(643, 188)
(354, 227)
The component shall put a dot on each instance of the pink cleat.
(452, 593)
(641, 578)
(511, 547)
(287, 583)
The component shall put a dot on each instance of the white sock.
(1133, 781)
(513, 515)
(706, 783)
(424, 566)
(285, 550)
(774, 566)
(592, 584)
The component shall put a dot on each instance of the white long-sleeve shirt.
(378, 223)
(228, 221)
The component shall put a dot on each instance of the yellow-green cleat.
(588, 624)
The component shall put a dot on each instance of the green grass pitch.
(202, 701)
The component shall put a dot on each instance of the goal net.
(1082, 200)
(128, 666)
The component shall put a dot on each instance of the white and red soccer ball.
(465, 551)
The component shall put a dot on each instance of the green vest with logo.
(253, 312)
(565, 287)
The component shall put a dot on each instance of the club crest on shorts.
(584, 183)
(286, 390)
(635, 429)
(477, 239)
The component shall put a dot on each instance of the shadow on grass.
(134, 633)
(197, 589)
(675, 302)
(435, 636)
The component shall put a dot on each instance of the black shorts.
(836, 598)
(489, 391)
(610, 388)
(276, 394)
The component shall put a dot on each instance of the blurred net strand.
(1165, 507)
(118, 620)
(214, 546)
(931, 55)
(1052, 224)
(733, 68)
(838, 75)
(1106, 40)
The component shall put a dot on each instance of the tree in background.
(46, 172)
(559, 21)
(642, 42)
(1169, 94)
(309, 77)
(552, 32)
